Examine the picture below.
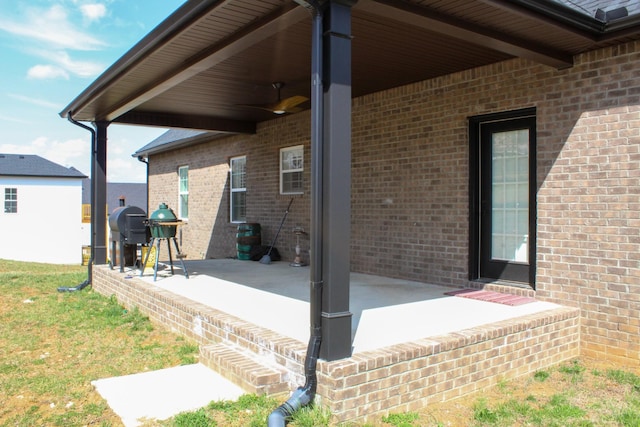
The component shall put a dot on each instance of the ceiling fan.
(282, 106)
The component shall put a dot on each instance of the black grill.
(129, 229)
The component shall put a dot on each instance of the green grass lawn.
(52, 345)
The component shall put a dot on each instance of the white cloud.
(45, 72)
(15, 149)
(49, 34)
(125, 169)
(13, 119)
(79, 68)
(35, 101)
(94, 11)
(121, 167)
(53, 28)
(72, 152)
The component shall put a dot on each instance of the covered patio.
(426, 75)
(218, 66)
(412, 343)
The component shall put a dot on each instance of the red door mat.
(490, 296)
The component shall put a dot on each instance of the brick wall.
(409, 376)
(410, 175)
(208, 232)
(588, 203)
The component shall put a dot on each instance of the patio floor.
(386, 311)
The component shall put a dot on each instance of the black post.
(315, 260)
(99, 184)
(336, 229)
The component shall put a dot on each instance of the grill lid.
(118, 218)
(164, 213)
(162, 223)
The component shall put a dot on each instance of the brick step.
(244, 368)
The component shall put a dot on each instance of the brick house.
(504, 156)
(411, 191)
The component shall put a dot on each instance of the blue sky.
(51, 51)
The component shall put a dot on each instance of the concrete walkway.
(165, 393)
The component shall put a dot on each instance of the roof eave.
(44, 176)
(159, 36)
(622, 27)
(173, 145)
(556, 13)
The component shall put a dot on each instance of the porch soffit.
(207, 60)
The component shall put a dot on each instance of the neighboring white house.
(42, 210)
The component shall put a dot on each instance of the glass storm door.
(507, 200)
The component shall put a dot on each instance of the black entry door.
(506, 235)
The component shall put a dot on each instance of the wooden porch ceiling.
(199, 67)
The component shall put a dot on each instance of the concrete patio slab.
(386, 311)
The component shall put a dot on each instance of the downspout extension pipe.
(305, 394)
(87, 282)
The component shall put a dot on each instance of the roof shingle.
(33, 165)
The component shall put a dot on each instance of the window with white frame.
(10, 200)
(291, 170)
(183, 192)
(238, 188)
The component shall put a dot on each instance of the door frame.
(509, 272)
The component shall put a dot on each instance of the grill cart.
(163, 225)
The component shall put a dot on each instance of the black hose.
(87, 282)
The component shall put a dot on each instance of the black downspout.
(146, 162)
(87, 282)
(305, 394)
